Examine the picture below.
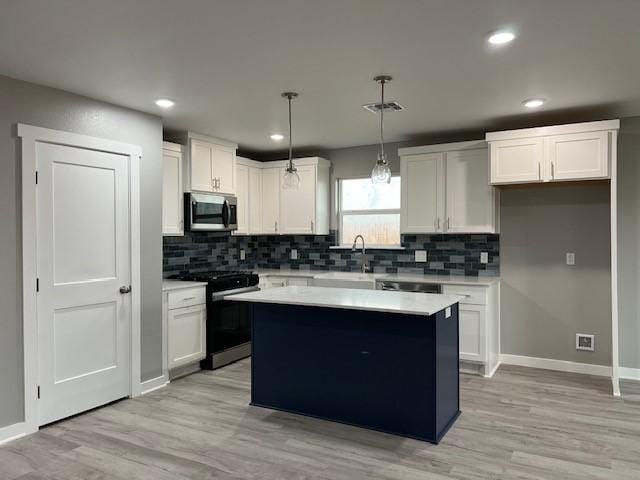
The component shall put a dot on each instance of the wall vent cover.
(585, 342)
(391, 106)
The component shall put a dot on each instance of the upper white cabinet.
(210, 163)
(445, 189)
(172, 189)
(273, 210)
(581, 151)
(242, 194)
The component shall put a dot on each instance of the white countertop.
(352, 299)
(394, 277)
(168, 285)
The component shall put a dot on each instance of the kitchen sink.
(346, 280)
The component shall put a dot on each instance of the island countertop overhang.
(352, 299)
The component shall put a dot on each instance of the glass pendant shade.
(381, 172)
(291, 179)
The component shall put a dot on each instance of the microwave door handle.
(225, 214)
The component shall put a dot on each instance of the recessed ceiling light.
(534, 102)
(277, 137)
(501, 37)
(165, 103)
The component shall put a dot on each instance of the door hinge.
(36, 177)
(37, 284)
(38, 392)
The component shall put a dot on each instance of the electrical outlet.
(294, 254)
(571, 258)
(421, 255)
(243, 255)
(484, 257)
(585, 342)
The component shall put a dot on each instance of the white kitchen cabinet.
(578, 156)
(422, 193)
(255, 200)
(172, 190)
(479, 326)
(185, 317)
(271, 187)
(580, 151)
(242, 196)
(210, 163)
(278, 281)
(517, 161)
(445, 189)
(471, 203)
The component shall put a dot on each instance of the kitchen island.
(382, 360)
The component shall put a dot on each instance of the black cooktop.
(219, 281)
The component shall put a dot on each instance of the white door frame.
(30, 136)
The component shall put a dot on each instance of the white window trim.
(341, 213)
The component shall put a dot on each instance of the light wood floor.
(522, 424)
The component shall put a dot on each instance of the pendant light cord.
(290, 142)
(382, 82)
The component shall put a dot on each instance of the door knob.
(125, 289)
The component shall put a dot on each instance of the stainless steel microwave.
(206, 211)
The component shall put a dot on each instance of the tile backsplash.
(456, 254)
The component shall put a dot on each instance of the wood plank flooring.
(523, 424)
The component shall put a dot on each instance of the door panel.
(84, 322)
(578, 156)
(472, 338)
(223, 168)
(271, 199)
(470, 199)
(186, 333)
(299, 204)
(242, 196)
(255, 200)
(422, 193)
(172, 193)
(517, 161)
(201, 166)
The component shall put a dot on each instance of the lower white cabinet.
(186, 320)
(278, 281)
(479, 323)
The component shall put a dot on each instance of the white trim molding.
(154, 384)
(627, 373)
(30, 136)
(557, 365)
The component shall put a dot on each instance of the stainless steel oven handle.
(217, 296)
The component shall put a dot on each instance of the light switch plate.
(243, 255)
(571, 258)
(294, 254)
(484, 257)
(421, 255)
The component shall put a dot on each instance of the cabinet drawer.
(186, 297)
(472, 295)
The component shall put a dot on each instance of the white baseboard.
(13, 432)
(153, 384)
(558, 365)
(627, 373)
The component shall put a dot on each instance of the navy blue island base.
(396, 373)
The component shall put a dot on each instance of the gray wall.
(629, 242)
(544, 301)
(22, 102)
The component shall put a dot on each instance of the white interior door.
(84, 322)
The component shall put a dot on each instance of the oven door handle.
(218, 296)
(225, 214)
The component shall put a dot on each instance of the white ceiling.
(225, 62)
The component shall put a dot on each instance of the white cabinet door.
(187, 335)
(223, 169)
(422, 193)
(255, 200)
(242, 195)
(578, 156)
(201, 160)
(472, 332)
(298, 205)
(172, 193)
(470, 205)
(271, 200)
(517, 161)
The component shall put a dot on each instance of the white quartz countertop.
(352, 299)
(168, 285)
(394, 277)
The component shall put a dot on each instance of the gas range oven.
(228, 323)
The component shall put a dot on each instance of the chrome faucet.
(363, 252)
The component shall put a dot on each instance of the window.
(370, 210)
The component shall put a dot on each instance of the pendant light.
(381, 172)
(291, 180)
